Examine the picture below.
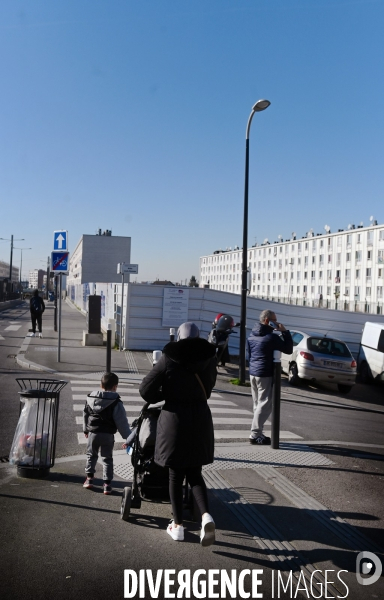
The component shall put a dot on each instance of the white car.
(319, 358)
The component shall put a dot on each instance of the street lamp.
(258, 107)
(21, 259)
(10, 262)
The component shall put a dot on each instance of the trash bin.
(34, 442)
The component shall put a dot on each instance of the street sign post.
(60, 267)
(123, 268)
(60, 240)
(130, 269)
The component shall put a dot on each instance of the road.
(308, 413)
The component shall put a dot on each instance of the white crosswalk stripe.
(224, 412)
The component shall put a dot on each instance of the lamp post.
(258, 107)
(10, 262)
(21, 259)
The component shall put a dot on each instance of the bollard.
(156, 355)
(109, 347)
(276, 392)
(172, 334)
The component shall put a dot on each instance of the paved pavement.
(308, 508)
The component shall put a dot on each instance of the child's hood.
(101, 399)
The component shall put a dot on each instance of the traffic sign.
(60, 262)
(60, 240)
(122, 268)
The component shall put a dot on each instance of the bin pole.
(109, 347)
(276, 393)
(172, 334)
(121, 311)
(59, 336)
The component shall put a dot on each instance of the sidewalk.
(298, 509)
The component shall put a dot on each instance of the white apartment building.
(36, 278)
(343, 270)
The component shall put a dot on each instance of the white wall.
(144, 308)
(145, 331)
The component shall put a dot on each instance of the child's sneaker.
(107, 489)
(207, 535)
(88, 483)
(176, 533)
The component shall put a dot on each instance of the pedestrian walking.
(104, 414)
(184, 377)
(260, 345)
(36, 307)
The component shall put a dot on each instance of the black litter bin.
(34, 442)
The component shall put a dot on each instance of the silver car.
(319, 358)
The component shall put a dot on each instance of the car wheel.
(344, 389)
(293, 375)
(364, 372)
(126, 503)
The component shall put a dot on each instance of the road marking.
(12, 328)
(227, 434)
(93, 381)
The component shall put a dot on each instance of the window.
(312, 289)
(357, 273)
(380, 345)
(328, 346)
(349, 238)
(297, 337)
(313, 260)
(306, 246)
(305, 274)
(358, 238)
(369, 255)
(358, 255)
(369, 272)
(320, 274)
(380, 291)
(321, 243)
(313, 274)
(357, 290)
(348, 257)
(368, 291)
(380, 273)
(328, 291)
(314, 245)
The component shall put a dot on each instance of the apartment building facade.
(36, 278)
(343, 270)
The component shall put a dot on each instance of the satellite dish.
(327, 228)
(361, 223)
(371, 218)
(349, 226)
(280, 237)
(265, 241)
(293, 234)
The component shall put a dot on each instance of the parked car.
(319, 358)
(370, 359)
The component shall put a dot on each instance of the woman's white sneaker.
(207, 535)
(176, 533)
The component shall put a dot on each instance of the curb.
(26, 364)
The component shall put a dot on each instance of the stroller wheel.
(126, 503)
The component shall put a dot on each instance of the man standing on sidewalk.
(260, 345)
(36, 307)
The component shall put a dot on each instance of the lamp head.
(261, 105)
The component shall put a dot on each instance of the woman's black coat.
(184, 430)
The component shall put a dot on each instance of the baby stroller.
(149, 480)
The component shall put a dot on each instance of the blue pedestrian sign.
(60, 262)
(60, 240)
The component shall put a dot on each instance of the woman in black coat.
(184, 378)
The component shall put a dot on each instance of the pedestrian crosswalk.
(225, 413)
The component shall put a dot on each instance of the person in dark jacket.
(184, 377)
(36, 307)
(260, 345)
(103, 415)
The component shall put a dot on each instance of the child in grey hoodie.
(104, 414)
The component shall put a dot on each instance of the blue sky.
(131, 116)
